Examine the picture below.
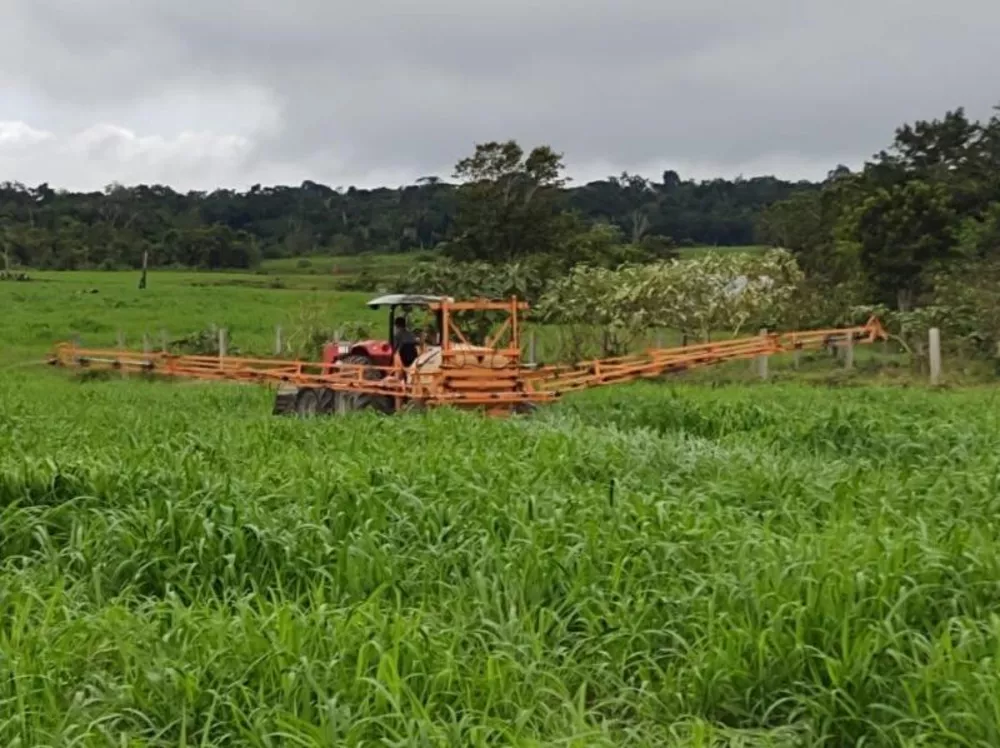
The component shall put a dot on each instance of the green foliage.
(315, 323)
(603, 245)
(715, 292)
(645, 566)
(683, 212)
(204, 342)
(901, 232)
(509, 205)
(469, 280)
(41, 227)
(962, 305)
(979, 236)
(927, 201)
(818, 303)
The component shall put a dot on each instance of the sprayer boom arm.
(458, 372)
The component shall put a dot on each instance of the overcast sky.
(207, 93)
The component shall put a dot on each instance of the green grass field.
(647, 565)
(640, 566)
(56, 306)
(343, 266)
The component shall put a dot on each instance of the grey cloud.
(349, 92)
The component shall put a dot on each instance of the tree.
(637, 201)
(900, 232)
(508, 204)
(979, 237)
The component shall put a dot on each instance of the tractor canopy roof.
(404, 299)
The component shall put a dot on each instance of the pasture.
(654, 564)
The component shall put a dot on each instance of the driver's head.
(400, 323)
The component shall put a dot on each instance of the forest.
(46, 228)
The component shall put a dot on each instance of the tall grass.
(643, 566)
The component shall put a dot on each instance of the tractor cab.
(382, 352)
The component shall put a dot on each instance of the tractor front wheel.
(285, 400)
(523, 409)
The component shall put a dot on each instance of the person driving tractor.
(404, 342)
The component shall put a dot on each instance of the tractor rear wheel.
(364, 400)
(307, 403)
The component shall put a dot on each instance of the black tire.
(363, 400)
(379, 403)
(523, 409)
(284, 402)
(307, 403)
(327, 400)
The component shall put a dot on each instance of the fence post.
(222, 346)
(659, 338)
(797, 357)
(532, 347)
(849, 352)
(164, 341)
(762, 359)
(147, 347)
(278, 347)
(934, 339)
(121, 350)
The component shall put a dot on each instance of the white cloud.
(102, 154)
(16, 136)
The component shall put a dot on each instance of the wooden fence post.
(762, 359)
(121, 350)
(164, 341)
(934, 340)
(849, 352)
(278, 346)
(147, 347)
(532, 347)
(222, 346)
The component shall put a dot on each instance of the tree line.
(929, 202)
(913, 235)
(48, 228)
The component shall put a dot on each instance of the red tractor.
(380, 352)
(371, 353)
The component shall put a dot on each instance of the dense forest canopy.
(44, 227)
(928, 204)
